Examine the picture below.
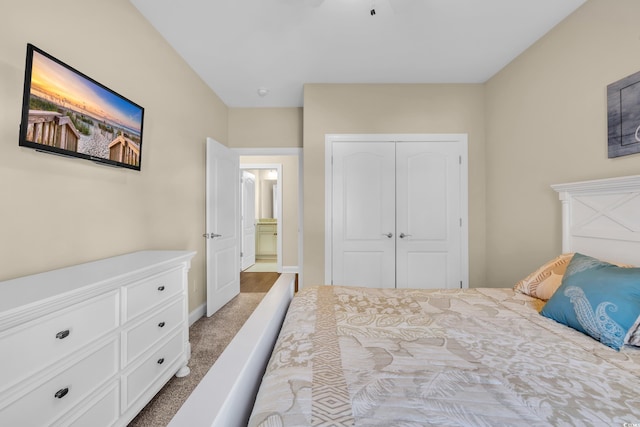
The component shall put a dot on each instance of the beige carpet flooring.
(208, 336)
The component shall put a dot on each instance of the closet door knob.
(389, 235)
(402, 235)
(161, 325)
(161, 288)
(161, 361)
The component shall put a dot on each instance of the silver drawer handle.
(161, 288)
(161, 325)
(61, 393)
(62, 334)
(161, 361)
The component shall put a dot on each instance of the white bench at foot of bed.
(225, 396)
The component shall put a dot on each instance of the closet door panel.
(421, 190)
(428, 213)
(425, 270)
(363, 228)
(365, 268)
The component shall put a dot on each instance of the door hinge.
(460, 283)
(241, 254)
(460, 222)
(460, 159)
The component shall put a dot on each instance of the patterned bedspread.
(351, 356)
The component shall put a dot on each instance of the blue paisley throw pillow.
(598, 299)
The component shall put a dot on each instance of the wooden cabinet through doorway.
(266, 241)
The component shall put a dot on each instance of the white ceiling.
(239, 46)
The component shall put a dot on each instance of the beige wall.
(547, 123)
(337, 109)
(58, 211)
(265, 127)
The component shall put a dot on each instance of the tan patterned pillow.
(543, 282)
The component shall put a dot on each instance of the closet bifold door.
(363, 205)
(427, 215)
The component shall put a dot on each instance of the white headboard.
(601, 218)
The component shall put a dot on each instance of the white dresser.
(91, 344)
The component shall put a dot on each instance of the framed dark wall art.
(623, 116)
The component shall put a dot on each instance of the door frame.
(277, 167)
(287, 152)
(460, 138)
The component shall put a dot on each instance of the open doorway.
(289, 207)
(261, 219)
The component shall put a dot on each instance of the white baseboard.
(197, 313)
(290, 269)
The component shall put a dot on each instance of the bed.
(468, 357)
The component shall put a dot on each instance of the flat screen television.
(65, 112)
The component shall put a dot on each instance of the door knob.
(402, 235)
(211, 235)
(389, 235)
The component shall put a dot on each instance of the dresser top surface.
(40, 287)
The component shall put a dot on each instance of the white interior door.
(363, 210)
(223, 225)
(428, 213)
(248, 219)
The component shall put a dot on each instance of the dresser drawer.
(140, 296)
(153, 368)
(59, 394)
(100, 413)
(34, 345)
(141, 337)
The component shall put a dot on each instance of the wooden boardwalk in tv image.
(58, 130)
